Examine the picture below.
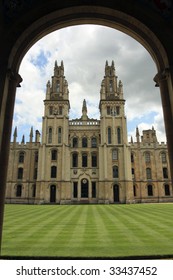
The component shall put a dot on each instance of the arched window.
(115, 154)
(167, 190)
(150, 190)
(84, 142)
(93, 142)
(74, 160)
(20, 173)
(109, 135)
(50, 135)
(21, 157)
(19, 190)
(147, 157)
(163, 155)
(118, 135)
(148, 173)
(59, 135)
(53, 171)
(165, 173)
(84, 160)
(94, 160)
(54, 155)
(75, 142)
(115, 171)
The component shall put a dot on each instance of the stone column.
(12, 81)
(163, 80)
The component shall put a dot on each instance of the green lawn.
(88, 230)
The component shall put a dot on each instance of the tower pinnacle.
(84, 110)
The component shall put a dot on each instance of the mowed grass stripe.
(34, 235)
(147, 230)
(88, 230)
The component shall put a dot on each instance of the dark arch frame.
(132, 18)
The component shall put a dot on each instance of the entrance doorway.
(84, 188)
(116, 193)
(52, 194)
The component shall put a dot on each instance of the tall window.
(57, 86)
(167, 190)
(93, 189)
(93, 142)
(111, 86)
(35, 173)
(19, 190)
(115, 154)
(51, 110)
(94, 160)
(84, 160)
(53, 171)
(108, 110)
(147, 157)
(74, 160)
(59, 135)
(60, 110)
(117, 110)
(54, 155)
(20, 173)
(150, 190)
(33, 190)
(133, 173)
(75, 189)
(118, 135)
(75, 142)
(134, 190)
(50, 135)
(148, 173)
(165, 173)
(132, 157)
(115, 171)
(21, 157)
(109, 135)
(84, 142)
(163, 157)
(36, 157)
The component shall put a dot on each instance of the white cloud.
(84, 50)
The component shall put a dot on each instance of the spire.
(23, 139)
(131, 140)
(31, 135)
(84, 110)
(15, 135)
(137, 134)
(37, 136)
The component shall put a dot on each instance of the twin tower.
(87, 160)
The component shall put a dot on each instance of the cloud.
(84, 50)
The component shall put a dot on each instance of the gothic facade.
(87, 160)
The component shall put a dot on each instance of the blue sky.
(84, 50)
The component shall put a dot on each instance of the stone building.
(87, 160)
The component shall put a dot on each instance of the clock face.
(84, 181)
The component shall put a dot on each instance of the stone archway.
(132, 17)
